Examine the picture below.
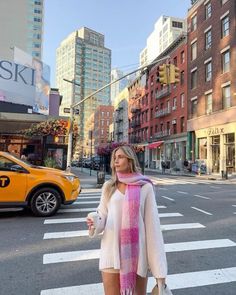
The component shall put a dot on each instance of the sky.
(126, 25)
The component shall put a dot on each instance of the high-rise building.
(21, 25)
(117, 87)
(83, 58)
(166, 30)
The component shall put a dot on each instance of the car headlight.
(69, 177)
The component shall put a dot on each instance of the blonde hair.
(111, 185)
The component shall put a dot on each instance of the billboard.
(26, 80)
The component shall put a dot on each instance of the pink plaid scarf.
(129, 234)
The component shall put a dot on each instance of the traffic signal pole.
(73, 104)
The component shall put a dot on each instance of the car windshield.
(24, 161)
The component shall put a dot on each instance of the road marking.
(77, 220)
(169, 248)
(180, 192)
(64, 220)
(76, 210)
(198, 196)
(234, 205)
(84, 233)
(174, 281)
(87, 202)
(205, 212)
(167, 198)
(86, 198)
(163, 188)
(216, 187)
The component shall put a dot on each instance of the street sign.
(66, 110)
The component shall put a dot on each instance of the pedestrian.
(163, 167)
(132, 240)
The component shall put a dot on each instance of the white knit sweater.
(151, 246)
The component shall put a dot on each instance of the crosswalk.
(183, 181)
(74, 217)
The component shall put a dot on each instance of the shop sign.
(215, 131)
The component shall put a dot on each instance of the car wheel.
(45, 202)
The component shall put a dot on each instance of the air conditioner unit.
(173, 122)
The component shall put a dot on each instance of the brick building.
(211, 89)
(103, 117)
(159, 115)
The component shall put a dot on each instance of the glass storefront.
(230, 152)
(215, 154)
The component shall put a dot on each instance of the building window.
(177, 24)
(182, 78)
(208, 10)
(175, 61)
(168, 128)
(208, 39)
(230, 150)
(225, 26)
(194, 50)
(194, 23)
(174, 103)
(194, 107)
(182, 124)
(208, 71)
(182, 57)
(182, 100)
(226, 98)
(209, 103)
(225, 61)
(168, 106)
(174, 127)
(194, 79)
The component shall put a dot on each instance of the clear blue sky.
(126, 25)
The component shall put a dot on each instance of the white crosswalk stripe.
(84, 233)
(175, 281)
(174, 247)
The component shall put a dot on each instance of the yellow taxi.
(41, 189)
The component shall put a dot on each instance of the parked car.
(41, 189)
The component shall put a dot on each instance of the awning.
(154, 145)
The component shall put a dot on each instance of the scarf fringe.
(129, 291)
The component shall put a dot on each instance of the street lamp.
(74, 105)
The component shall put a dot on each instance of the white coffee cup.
(94, 217)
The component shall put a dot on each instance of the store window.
(202, 145)
(230, 152)
(215, 146)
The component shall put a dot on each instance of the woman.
(132, 241)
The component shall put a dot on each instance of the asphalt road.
(46, 255)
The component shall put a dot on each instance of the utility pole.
(73, 104)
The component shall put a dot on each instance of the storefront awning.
(154, 145)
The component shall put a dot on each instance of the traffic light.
(162, 74)
(174, 74)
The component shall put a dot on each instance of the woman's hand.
(90, 223)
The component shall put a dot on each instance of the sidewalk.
(88, 181)
(231, 177)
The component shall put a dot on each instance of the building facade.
(166, 30)
(211, 88)
(117, 87)
(83, 58)
(21, 25)
(103, 117)
(121, 123)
